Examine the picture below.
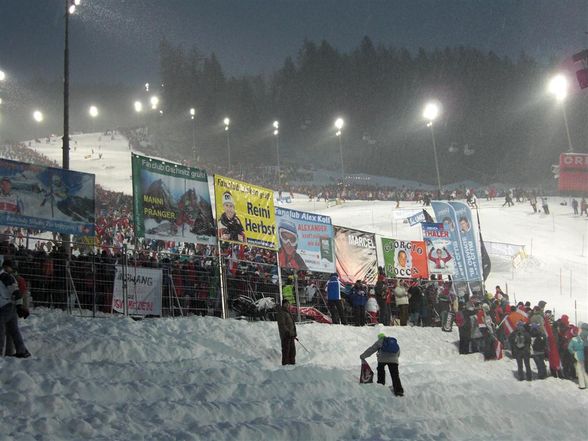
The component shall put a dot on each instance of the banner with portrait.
(469, 238)
(171, 202)
(439, 249)
(245, 213)
(305, 241)
(355, 255)
(47, 198)
(404, 259)
(143, 290)
(445, 214)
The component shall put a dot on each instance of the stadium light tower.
(339, 123)
(558, 87)
(431, 113)
(193, 118)
(70, 8)
(276, 126)
(227, 123)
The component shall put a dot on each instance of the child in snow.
(386, 357)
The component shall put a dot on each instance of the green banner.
(388, 249)
(171, 202)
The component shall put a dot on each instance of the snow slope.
(202, 378)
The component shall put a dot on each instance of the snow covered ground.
(200, 378)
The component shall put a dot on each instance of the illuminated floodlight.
(138, 106)
(339, 123)
(93, 111)
(38, 116)
(431, 111)
(558, 87)
(154, 102)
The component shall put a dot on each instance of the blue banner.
(46, 198)
(468, 234)
(445, 214)
(305, 241)
(416, 218)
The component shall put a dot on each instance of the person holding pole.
(287, 330)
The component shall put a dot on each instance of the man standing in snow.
(287, 329)
(10, 309)
(520, 344)
(334, 300)
(386, 357)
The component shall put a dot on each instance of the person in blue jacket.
(334, 300)
(358, 301)
(576, 348)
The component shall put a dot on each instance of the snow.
(201, 378)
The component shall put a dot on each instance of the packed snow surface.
(203, 378)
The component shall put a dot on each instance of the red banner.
(418, 255)
(573, 172)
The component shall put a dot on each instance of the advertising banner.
(445, 214)
(573, 173)
(143, 291)
(468, 233)
(416, 218)
(171, 202)
(305, 241)
(245, 213)
(439, 249)
(355, 254)
(46, 198)
(404, 259)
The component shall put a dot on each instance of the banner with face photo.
(468, 234)
(404, 259)
(355, 255)
(439, 249)
(171, 202)
(305, 241)
(245, 213)
(46, 198)
(445, 214)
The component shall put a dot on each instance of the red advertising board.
(573, 173)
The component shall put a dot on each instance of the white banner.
(143, 291)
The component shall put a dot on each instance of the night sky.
(115, 41)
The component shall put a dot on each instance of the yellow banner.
(245, 213)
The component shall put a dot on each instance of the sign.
(439, 249)
(305, 241)
(573, 172)
(143, 291)
(416, 218)
(404, 259)
(245, 213)
(171, 202)
(469, 239)
(46, 198)
(355, 255)
(445, 214)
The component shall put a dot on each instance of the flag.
(498, 347)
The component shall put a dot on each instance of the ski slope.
(203, 378)
(557, 245)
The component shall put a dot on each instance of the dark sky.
(116, 40)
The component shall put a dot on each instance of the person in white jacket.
(401, 294)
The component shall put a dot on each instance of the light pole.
(339, 123)
(558, 87)
(276, 126)
(70, 7)
(193, 118)
(430, 113)
(227, 123)
(93, 112)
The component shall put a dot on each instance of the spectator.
(386, 357)
(287, 330)
(520, 344)
(334, 300)
(10, 309)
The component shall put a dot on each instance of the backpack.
(390, 345)
(520, 341)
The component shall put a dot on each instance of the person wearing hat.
(230, 226)
(520, 344)
(385, 358)
(538, 346)
(287, 330)
(10, 309)
(287, 254)
(576, 348)
(334, 304)
(9, 202)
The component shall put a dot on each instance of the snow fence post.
(560, 282)
(297, 296)
(575, 312)
(570, 284)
